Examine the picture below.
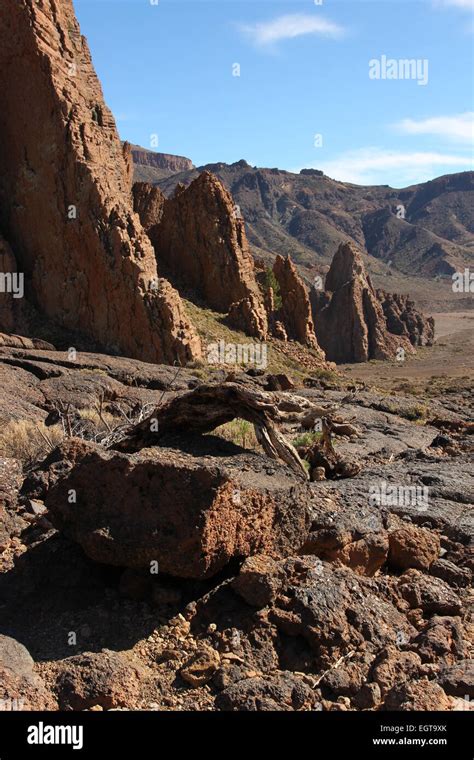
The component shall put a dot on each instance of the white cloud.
(464, 4)
(267, 33)
(372, 166)
(459, 127)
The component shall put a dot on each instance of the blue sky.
(169, 69)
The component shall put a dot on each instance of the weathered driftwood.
(322, 455)
(208, 406)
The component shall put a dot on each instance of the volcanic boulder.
(411, 546)
(104, 678)
(332, 609)
(349, 319)
(65, 202)
(190, 512)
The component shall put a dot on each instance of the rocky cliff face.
(199, 238)
(165, 162)
(65, 201)
(349, 319)
(295, 312)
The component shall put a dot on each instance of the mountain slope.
(308, 215)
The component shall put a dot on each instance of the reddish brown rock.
(104, 678)
(190, 513)
(417, 696)
(164, 161)
(258, 581)
(279, 331)
(249, 316)
(148, 202)
(349, 320)
(295, 311)
(18, 341)
(202, 243)
(412, 547)
(128, 159)
(441, 639)
(65, 200)
(431, 595)
(403, 319)
(392, 667)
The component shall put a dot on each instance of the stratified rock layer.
(164, 161)
(349, 319)
(65, 193)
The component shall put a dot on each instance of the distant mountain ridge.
(422, 230)
(151, 165)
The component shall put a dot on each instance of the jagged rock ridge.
(202, 242)
(308, 215)
(404, 319)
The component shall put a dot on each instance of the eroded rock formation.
(249, 316)
(404, 319)
(295, 311)
(148, 202)
(202, 242)
(65, 193)
(349, 320)
(199, 238)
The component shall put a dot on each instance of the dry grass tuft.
(240, 432)
(29, 441)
